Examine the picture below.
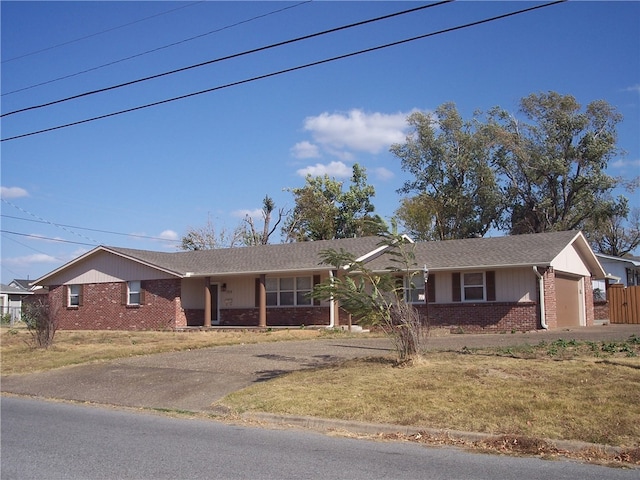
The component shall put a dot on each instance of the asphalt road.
(192, 380)
(65, 441)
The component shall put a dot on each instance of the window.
(288, 291)
(414, 289)
(133, 289)
(74, 296)
(473, 286)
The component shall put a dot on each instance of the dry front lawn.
(75, 347)
(587, 392)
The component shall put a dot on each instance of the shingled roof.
(479, 253)
(514, 250)
(298, 256)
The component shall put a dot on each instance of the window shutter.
(431, 288)
(65, 295)
(455, 287)
(142, 292)
(491, 286)
(316, 280)
(257, 299)
(123, 293)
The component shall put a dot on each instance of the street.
(57, 440)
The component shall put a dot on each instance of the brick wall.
(101, 307)
(489, 317)
(276, 316)
(601, 310)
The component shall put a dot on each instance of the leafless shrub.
(41, 323)
(407, 329)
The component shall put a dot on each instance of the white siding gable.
(570, 261)
(105, 267)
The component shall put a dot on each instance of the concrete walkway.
(192, 380)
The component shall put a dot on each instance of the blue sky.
(158, 171)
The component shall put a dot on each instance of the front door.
(215, 314)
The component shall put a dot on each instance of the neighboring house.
(620, 273)
(11, 299)
(508, 283)
(625, 271)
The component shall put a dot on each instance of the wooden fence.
(624, 304)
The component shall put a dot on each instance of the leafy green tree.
(552, 164)
(323, 211)
(455, 190)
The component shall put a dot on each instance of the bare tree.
(208, 238)
(251, 235)
(41, 322)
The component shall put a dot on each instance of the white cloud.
(383, 173)
(42, 238)
(255, 213)
(357, 130)
(633, 88)
(305, 150)
(13, 192)
(333, 169)
(168, 235)
(28, 260)
(622, 163)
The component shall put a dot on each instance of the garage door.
(568, 301)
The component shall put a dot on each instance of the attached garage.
(569, 301)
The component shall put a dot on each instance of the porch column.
(262, 305)
(207, 301)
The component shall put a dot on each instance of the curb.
(329, 425)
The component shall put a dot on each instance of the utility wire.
(30, 235)
(288, 70)
(31, 248)
(99, 33)
(228, 57)
(155, 49)
(92, 229)
(46, 221)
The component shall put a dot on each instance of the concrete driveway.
(192, 380)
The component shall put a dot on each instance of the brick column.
(207, 301)
(262, 305)
(551, 314)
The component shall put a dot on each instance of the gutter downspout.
(543, 320)
(332, 306)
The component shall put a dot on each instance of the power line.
(92, 229)
(99, 33)
(228, 57)
(31, 248)
(153, 50)
(46, 221)
(288, 70)
(38, 237)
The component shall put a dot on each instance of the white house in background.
(625, 271)
(11, 297)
